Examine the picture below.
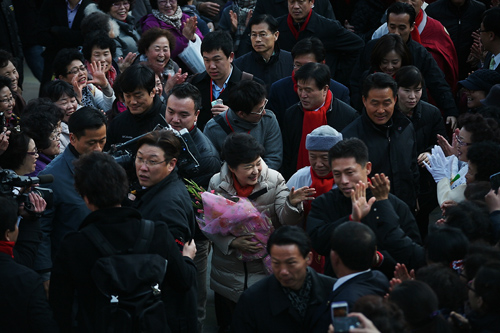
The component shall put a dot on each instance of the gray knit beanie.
(322, 138)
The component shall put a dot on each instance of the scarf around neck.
(415, 34)
(242, 191)
(302, 25)
(300, 298)
(7, 248)
(173, 20)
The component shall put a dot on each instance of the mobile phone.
(340, 321)
(217, 102)
(495, 181)
(339, 309)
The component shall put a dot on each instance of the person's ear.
(276, 35)
(309, 258)
(72, 139)
(231, 57)
(171, 164)
(368, 168)
(364, 101)
(6, 236)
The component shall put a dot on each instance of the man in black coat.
(287, 300)
(490, 38)
(103, 185)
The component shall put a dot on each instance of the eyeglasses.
(75, 70)
(33, 153)
(469, 285)
(461, 143)
(262, 108)
(121, 3)
(166, 2)
(55, 136)
(7, 101)
(261, 35)
(140, 160)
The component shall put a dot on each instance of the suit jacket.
(487, 61)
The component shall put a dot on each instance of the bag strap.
(219, 120)
(146, 236)
(246, 76)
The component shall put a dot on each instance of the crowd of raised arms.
(320, 165)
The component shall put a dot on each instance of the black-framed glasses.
(7, 100)
(261, 109)
(33, 153)
(140, 160)
(75, 70)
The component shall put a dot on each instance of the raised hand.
(360, 207)
(124, 63)
(380, 186)
(401, 273)
(234, 20)
(174, 80)
(302, 194)
(190, 28)
(98, 74)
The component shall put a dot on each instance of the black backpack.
(130, 281)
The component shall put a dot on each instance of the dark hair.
(487, 285)
(482, 129)
(137, 77)
(358, 250)
(98, 39)
(398, 8)
(165, 140)
(486, 157)
(352, 147)
(99, 178)
(151, 35)
(8, 215)
(105, 5)
(386, 316)
(40, 121)
(445, 245)
(54, 90)
(446, 284)
(409, 76)
(5, 57)
(85, 118)
(476, 191)
(96, 21)
(320, 73)
(290, 235)
(386, 44)
(245, 95)
(478, 255)
(217, 40)
(5, 82)
(239, 148)
(473, 220)
(307, 46)
(379, 81)
(15, 154)
(187, 90)
(264, 18)
(491, 20)
(63, 59)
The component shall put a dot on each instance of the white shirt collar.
(346, 278)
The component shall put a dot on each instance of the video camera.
(9, 180)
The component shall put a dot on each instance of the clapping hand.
(360, 207)
(302, 194)
(380, 186)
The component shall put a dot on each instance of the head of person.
(166, 7)
(218, 55)
(7, 101)
(42, 123)
(313, 84)
(100, 181)
(308, 50)
(87, 130)
(158, 85)
(318, 143)
(243, 155)
(263, 33)
(116, 9)
(477, 86)
(484, 291)
(446, 245)
(379, 97)
(156, 44)
(354, 253)
(493, 97)
(484, 161)
(100, 48)
(98, 21)
(8, 68)
(474, 128)
(21, 154)
(410, 84)
(61, 93)
(290, 251)
(156, 157)
(183, 106)
(300, 9)
(386, 316)
(248, 100)
(472, 218)
(401, 19)
(478, 255)
(138, 86)
(389, 54)
(490, 29)
(68, 64)
(416, 4)
(8, 219)
(349, 164)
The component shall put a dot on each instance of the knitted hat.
(322, 138)
(482, 79)
(493, 98)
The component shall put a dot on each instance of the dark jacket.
(342, 46)
(391, 220)
(27, 242)
(169, 202)
(120, 226)
(203, 83)
(264, 307)
(393, 151)
(460, 22)
(366, 17)
(368, 283)
(9, 33)
(338, 116)
(24, 306)
(282, 96)
(209, 158)
(487, 61)
(126, 126)
(279, 65)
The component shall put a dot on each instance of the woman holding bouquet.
(244, 174)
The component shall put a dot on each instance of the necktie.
(492, 63)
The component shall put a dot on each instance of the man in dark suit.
(490, 38)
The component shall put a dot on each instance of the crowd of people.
(328, 154)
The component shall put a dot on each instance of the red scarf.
(7, 248)
(415, 34)
(295, 32)
(242, 191)
(311, 121)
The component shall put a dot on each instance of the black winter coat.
(209, 158)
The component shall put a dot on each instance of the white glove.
(438, 165)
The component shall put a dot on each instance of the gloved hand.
(438, 166)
